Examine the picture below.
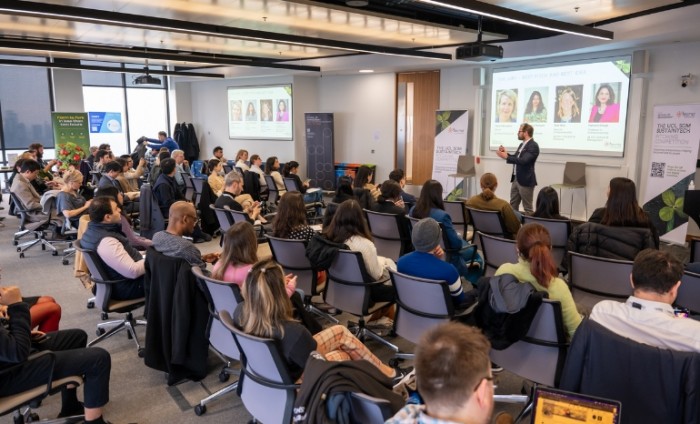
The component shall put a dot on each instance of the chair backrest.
(368, 409)
(575, 173)
(239, 216)
(346, 287)
(238, 169)
(98, 274)
(198, 184)
(541, 354)
(386, 232)
(488, 222)
(223, 215)
(689, 292)
(466, 165)
(267, 390)
(20, 210)
(189, 186)
(605, 277)
(290, 184)
(291, 255)
(497, 251)
(559, 232)
(221, 296)
(251, 185)
(422, 304)
(273, 192)
(227, 168)
(458, 213)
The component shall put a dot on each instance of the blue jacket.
(169, 143)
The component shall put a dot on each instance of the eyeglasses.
(488, 378)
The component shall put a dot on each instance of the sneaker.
(496, 368)
(401, 373)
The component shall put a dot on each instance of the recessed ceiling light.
(366, 71)
(356, 3)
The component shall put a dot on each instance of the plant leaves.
(666, 213)
(668, 198)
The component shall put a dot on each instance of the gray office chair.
(559, 232)
(389, 233)
(103, 299)
(488, 222)
(458, 213)
(273, 193)
(497, 251)
(592, 278)
(223, 216)
(37, 229)
(221, 296)
(466, 169)
(291, 255)
(267, 389)
(689, 292)
(574, 179)
(290, 184)
(189, 186)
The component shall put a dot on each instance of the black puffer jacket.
(610, 242)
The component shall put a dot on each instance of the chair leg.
(364, 331)
(315, 310)
(119, 327)
(201, 407)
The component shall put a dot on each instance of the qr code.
(657, 169)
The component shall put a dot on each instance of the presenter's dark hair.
(540, 107)
(29, 165)
(363, 176)
(547, 204)
(611, 100)
(527, 128)
(269, 163)
(167, 166)
(430, 197)
(622, 209)
(100, 206)
(655, 271)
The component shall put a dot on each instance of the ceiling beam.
(102, 17)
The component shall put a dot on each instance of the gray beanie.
(426, 235)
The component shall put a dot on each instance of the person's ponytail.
(542, 264)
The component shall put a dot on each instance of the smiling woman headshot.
(605, 108)
(506, 106)
(535, 110)
(568, 109)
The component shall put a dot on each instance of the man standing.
(453, 377)
(163, 141)
(104, 235)
(182, 220)
(648, 316)
(523, 178)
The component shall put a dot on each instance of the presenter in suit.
(523, 178)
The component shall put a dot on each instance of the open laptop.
(551, 406)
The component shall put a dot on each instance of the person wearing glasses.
(523, 178)
(453, 378)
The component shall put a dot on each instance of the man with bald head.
(182, 219)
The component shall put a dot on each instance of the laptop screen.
(559, 407)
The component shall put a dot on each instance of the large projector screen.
(575, 108)
(263, 112)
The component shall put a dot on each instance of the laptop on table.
(551, 406)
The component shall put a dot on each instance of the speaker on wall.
(640, 62)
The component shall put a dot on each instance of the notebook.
(553, 406)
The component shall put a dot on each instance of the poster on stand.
(71, 128)
(450, 142)
(319, 150)
(671, 168)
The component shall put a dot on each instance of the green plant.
(674, 206)
(443, 120)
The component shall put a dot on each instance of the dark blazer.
(654, 385)
(525, 169)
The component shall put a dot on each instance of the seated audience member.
(129, 177)
(537, 267)
(238, 256)
(234, 200)
(342, 193)
(255, 162)
(453, 377)
(648, 316)
(90, 159)
(622, 208)
(290, 221)
(487, 201)
(110, 172)
(430, 204)
(218, 154)
(272, 168)
(141, 243)
(390, 200)
(291, 170)
(68, 201)
(23, 189)
(181, 167)
(122, 261)
(182, 220)
(102, 158)
(156, 169)
(241, 158)
(71, 358)
(426, 261)
(363, 181)
(39, 149)
(215, 179)
(151, 156)
(165, 189)
(267, 312)
(547, 205)
(399, 176)
(163, 141)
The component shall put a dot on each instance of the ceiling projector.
(479, 52)
(147, 80)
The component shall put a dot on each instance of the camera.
(684, 83)
(686, 80)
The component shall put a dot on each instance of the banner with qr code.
(673, 158)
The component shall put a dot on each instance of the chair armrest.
(32, 358)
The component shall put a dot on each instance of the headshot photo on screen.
(568, 104)
(535, 110)
(282, 112)
(606, 104)
(236, 110)
(250, 112)
(266, 110)
(507, 105)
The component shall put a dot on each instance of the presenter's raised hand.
(501, 152)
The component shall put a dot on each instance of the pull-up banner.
(674, 153)
(450, 142)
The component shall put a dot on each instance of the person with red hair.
(537, 267)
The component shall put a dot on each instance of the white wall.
(68, 90)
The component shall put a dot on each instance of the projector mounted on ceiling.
(479, 52)
(147, 79)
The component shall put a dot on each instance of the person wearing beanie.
(487, 201)
(426, 262)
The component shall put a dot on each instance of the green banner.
(71, 133)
